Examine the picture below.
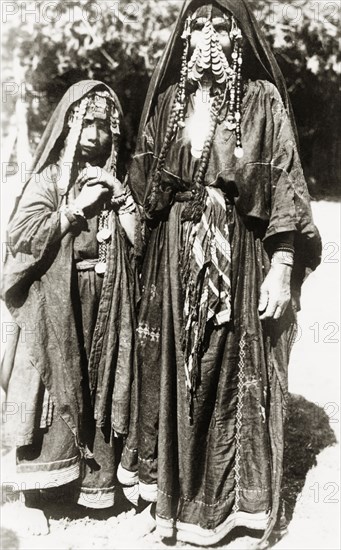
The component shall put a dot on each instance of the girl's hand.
(93, 175)
(275, 292)
(90, 195)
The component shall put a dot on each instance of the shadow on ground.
(9, 540)
(307, 433)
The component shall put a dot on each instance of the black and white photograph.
(170, 274)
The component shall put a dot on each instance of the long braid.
(202, 169)
(111, 165)
(115, 133)
(75, 124)
(181, 94)
(176, 119)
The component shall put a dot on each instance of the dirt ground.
(311, 487)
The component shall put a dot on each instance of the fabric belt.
(86, 265)
(184, 196)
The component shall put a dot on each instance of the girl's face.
(222, 28)
(95, 138)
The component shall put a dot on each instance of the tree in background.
(58, 43)
(49, 45)
(305, 36)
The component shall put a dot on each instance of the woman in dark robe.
(69, 284)
(228, 239)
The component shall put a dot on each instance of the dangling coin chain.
(103, 237)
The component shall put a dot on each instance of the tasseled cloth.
(205, 269)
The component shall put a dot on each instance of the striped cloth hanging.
(206, 262)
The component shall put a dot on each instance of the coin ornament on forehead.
(98, 106)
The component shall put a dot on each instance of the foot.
(139, 526)
(263, 545)
(145, 522)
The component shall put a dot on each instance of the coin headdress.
(95, 105)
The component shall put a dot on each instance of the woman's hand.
(275, 292)
(93, 175)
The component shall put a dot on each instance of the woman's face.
(95, 138)
(222, 28)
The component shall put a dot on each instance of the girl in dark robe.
(69, 284)
(228, 240)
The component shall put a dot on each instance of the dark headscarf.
(168, 69)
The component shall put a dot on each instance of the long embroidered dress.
(222, 467)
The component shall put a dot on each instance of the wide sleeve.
(36, 222)
(271, 192)
(289, 199)
(32, 237)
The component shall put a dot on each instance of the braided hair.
(75, 123)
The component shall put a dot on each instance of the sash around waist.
(86, 265)
(190, 194)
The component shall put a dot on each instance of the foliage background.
(49, 45)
